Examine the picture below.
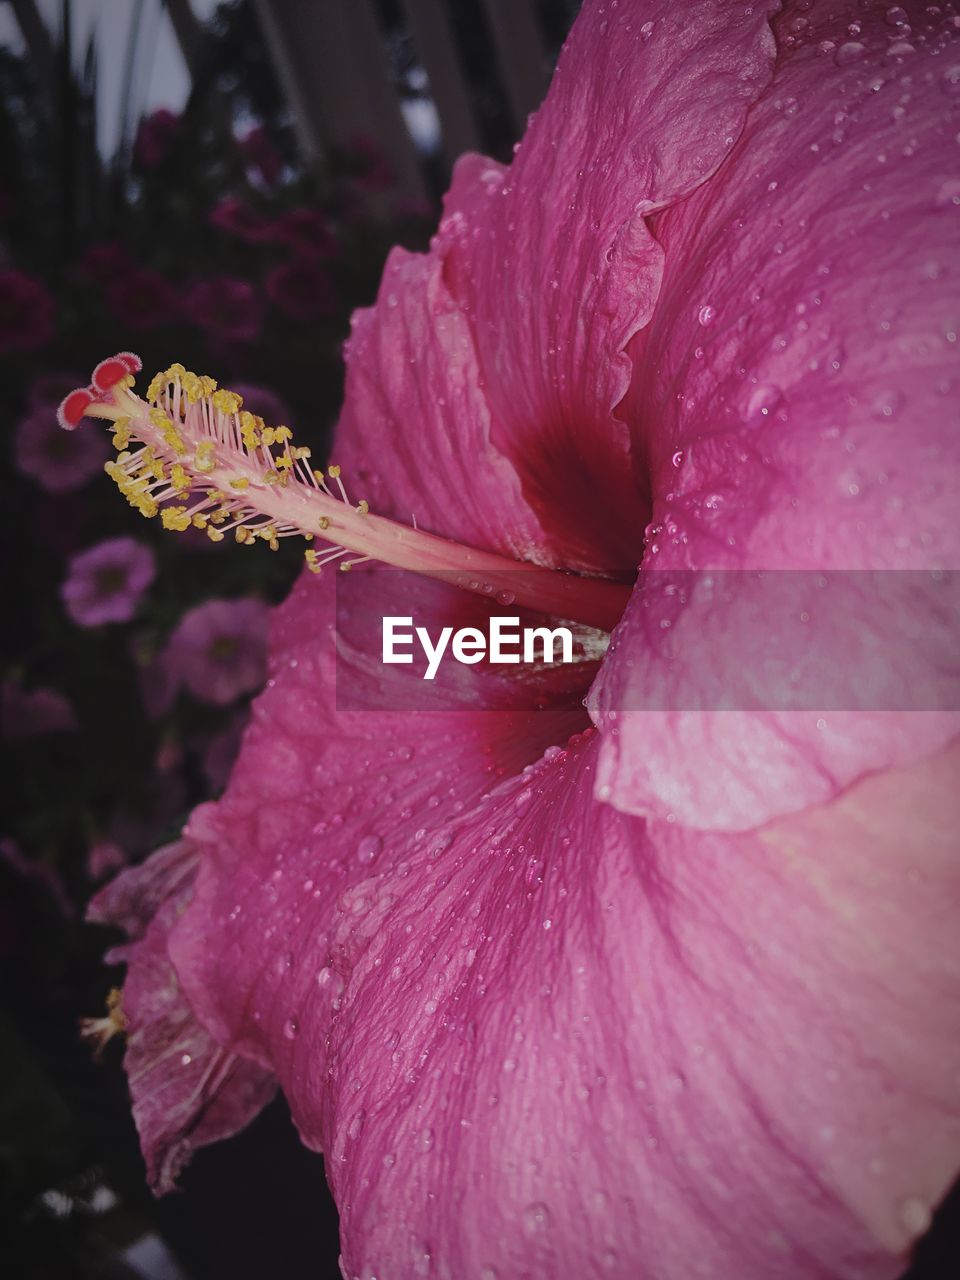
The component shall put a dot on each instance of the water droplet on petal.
(707, 313)
(291, 1028)
(915, 1215)
(368, 848)
(763, 403)
(850, 51)
(536, 1218)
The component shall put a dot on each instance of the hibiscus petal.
(322, 794)
(792, 394)
(187, 1092)
(500, 358)
(545, 1038)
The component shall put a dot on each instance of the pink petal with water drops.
(795, 395)
(505, 346)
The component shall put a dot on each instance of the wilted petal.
(187, 1092)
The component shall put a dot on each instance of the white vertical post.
(430, 23)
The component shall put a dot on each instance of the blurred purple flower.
(143, 299)
(264, 402)
(155, 138)
(104, 262)
(307, 231)
(224, 306)
(104, 856)
(218, 650)
(27, 312)
(46, 390)
(33, 713)
(261, 155)
(105, 582)
(237, 218)
(301, 289)
(59, 461)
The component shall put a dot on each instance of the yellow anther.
(282, 434)
(239, 482)
(208, 385)
(324, 522)
(318, 476)
(200, 520)
(179, 478)
(220, 515)
(157, 386)
(363, 507)
(284, 462)
(311, 558)
(269, 436)
(121, 433)
(241, 533)
(301, 452)
(226, 401)
(215, 535)
(175, 371)
(175, 518)
(333, 471)
(250, 429)
(271, 477)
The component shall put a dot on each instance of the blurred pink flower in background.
(218, 649)
(261, 155)
(27, 312)
(155, 138)
(104, 262)
(301, 289)
(225, 306)
(106, 582)
(57, 460)
(143, 299)
(32, 713)
(375, 173)
(306, 231)
(104, 856)
(237, 218)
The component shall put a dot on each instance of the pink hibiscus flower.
(608, 992)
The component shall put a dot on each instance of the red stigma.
(73, 407)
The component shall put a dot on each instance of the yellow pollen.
(215, 535)
(175, 518)
(226, 401)
(333, 471)
(179, 478)
(363, 506)
(239, 482)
